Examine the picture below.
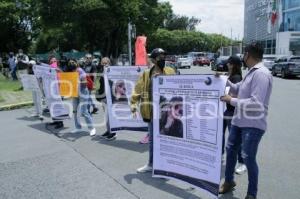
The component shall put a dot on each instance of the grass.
(8, 85)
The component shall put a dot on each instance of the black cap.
(234, 60)
(156, 52)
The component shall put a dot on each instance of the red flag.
(274, 13)
(140, 51)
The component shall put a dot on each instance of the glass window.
(292, 21)
(291, 4)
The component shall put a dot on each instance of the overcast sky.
(217, 16)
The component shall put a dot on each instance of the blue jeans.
(227, 123)
(248, 139)
(90, 100)
(14, 73)
(80, 105)
(150, 131)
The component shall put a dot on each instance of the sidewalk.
(40, 163)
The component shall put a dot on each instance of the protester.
(249, 122)
(80, 102)
(53, 62)
(12, 62)
(141, 97)
(105, 62)
(22, 62)
(90, 69)
(234, 65)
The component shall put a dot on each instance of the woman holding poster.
(80, 103)
(141, 97)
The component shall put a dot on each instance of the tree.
(177, 22)
(19, 24)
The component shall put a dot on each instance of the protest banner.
(48, 81)
(188, 128)
(29, 82)
(119, 84)
(68, 84)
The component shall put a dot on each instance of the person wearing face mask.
(142, 94)
(234, 65)
(251, 99)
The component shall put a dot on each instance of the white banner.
(119, 84)
(188, 128)
(47, 78)
(29, 82)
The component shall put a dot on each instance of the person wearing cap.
(249, 122)
(234, 65)
(142, 94)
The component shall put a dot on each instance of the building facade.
(280, 37)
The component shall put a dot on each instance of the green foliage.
(93, 25)
(177, 22)
(19, 24)
(182, 41)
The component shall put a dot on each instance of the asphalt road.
(36, 162)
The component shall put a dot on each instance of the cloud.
(217, 16)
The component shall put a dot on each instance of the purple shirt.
(253, 93)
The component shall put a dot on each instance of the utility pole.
(129, 43)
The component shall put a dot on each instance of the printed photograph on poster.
(118, 92)
(171, 112)
(119, 85)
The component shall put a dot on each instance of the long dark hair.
(236, 62)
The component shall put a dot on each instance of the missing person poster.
(188, 128)
(119, 84)
(29, 82)
(47, 78)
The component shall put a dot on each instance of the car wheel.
(283, 74)
(273, 72)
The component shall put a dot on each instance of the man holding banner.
(142, 95)
(249, 122)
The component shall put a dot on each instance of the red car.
(201, 61)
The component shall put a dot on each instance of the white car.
(185, 62)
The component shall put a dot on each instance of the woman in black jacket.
(234, 65)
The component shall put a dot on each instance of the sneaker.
(227, 187)
(93, 132)
(76, 131)
(145, 140)
(104, 135)
(59, 125)
(95, 110)
(111, 136)
(145, 169)
(250, 197)
(240, 169)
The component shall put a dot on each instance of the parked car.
(287, 66)
(269, 60)
(185, 62)
(201, 61)
(220, 64)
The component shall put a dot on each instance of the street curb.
(15, 106)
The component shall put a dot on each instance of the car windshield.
(295, 59)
